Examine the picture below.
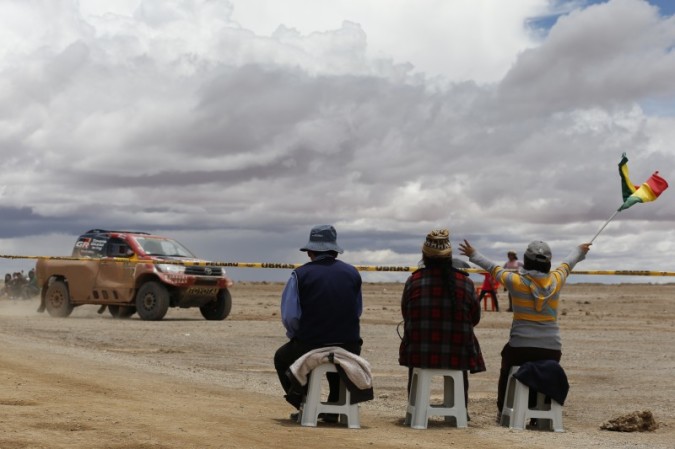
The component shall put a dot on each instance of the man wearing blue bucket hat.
(321, 306)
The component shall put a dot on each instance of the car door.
(115, 280)
(81, 274)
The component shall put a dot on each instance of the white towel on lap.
(355, 367)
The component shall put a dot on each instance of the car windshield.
(163, 247)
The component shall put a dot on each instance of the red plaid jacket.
(438, 333)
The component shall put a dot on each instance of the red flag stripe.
(657, 184)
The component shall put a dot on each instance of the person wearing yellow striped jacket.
(535, 290)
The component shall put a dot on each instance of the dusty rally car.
(110, 272)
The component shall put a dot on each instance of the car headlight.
(170, 268)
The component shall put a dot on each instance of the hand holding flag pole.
(632, 194)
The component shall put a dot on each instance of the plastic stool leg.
(556, 416)
(420, 416)
(411, 399)
(509, 399)
(309, 409)
(453, 398)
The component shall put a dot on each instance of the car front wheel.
(152, 301)
(219, 308)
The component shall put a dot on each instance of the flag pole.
(603, 226)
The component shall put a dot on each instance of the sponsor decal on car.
(202, 291)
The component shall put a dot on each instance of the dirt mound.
(633, 422)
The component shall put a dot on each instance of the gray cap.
(539, 251)
(322, 238)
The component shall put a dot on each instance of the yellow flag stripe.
(645, 193)
(626, 179)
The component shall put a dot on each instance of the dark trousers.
(293, 350)
(465, 374)
(512, 356)
(492, 293)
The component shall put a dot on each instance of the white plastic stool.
(517, 410)
(419, 408)
(312, 405)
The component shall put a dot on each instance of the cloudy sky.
(235, 126)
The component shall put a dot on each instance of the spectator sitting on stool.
(440, 310)
(535, 334)
(321, 306)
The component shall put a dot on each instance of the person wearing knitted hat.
(535, 290)
(440, 310)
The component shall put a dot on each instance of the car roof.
(108, 232)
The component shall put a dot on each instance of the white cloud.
(608, 55)
(461, 40)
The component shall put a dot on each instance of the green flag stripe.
(630, 201)
(627, 187)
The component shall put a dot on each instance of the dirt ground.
(89, 381)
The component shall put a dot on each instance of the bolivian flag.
(648, 191)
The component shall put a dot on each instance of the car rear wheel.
(219, 308)
(57, 300)
(152, 301)
(121, 311)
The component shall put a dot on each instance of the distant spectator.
(489, 287)
(7, 287)
(512, 264)
(31, 288)
(17, 286)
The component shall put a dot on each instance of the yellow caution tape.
(292, 266)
